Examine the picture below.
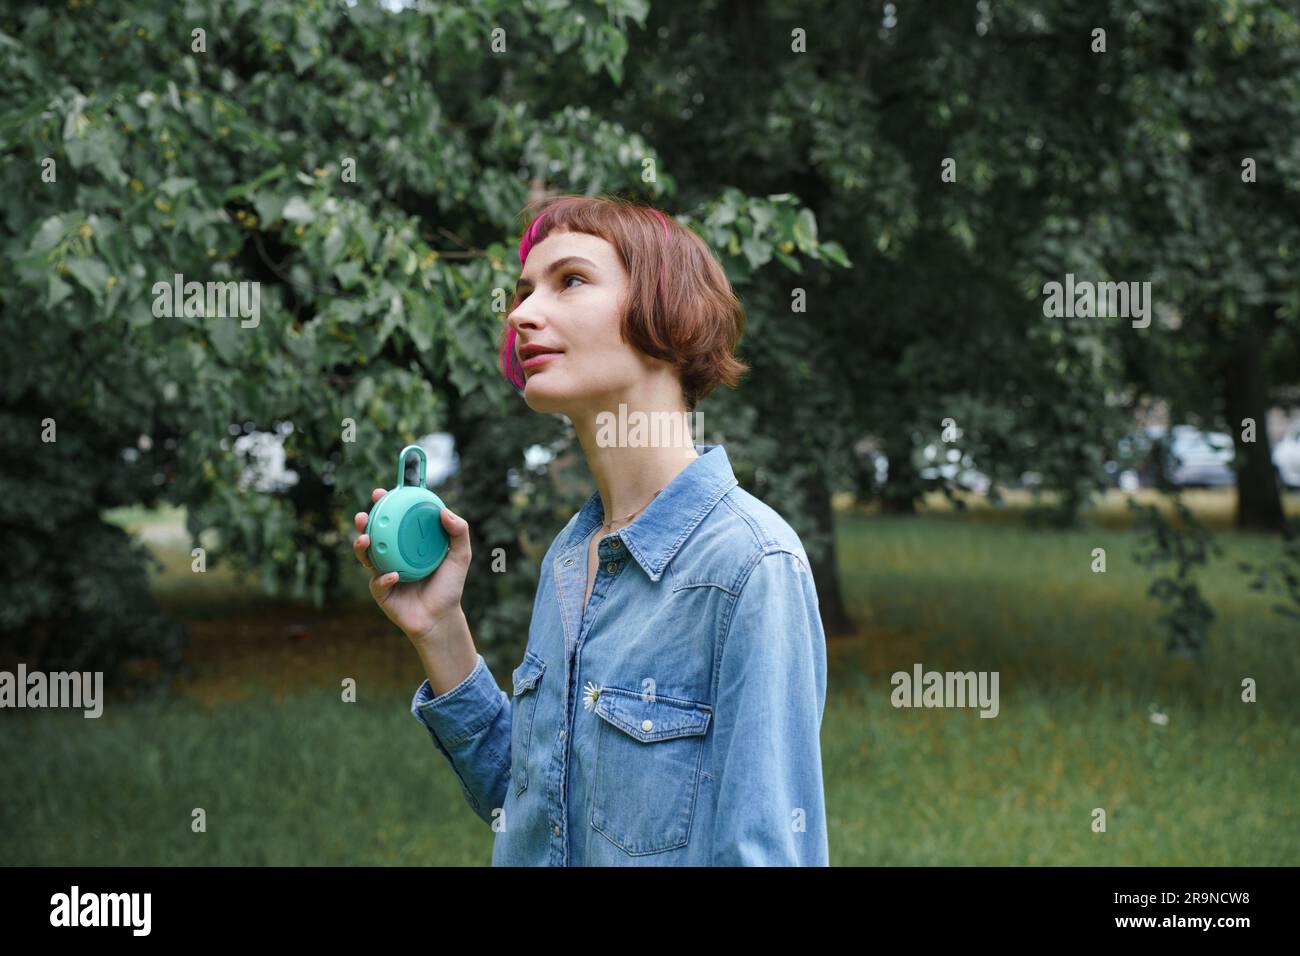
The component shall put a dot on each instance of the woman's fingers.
(361, 519)
(359, 548)
(381, 585)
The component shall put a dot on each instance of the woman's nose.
(526, 315)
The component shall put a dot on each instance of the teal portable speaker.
(405, 526)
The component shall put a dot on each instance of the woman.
(668, 705)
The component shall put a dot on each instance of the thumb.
(454, 523)
(458, 532)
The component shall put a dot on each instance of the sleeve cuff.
(461, 712)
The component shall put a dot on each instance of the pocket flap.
(657, 718)
(527, 674)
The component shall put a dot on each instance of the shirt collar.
(657, 533)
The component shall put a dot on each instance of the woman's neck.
(633, 454)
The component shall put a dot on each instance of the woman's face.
(573, 288)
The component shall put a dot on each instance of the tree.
(1211, 210)
(356, 173)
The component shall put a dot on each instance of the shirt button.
(562, 733)
(557, 829)
(616, 544)
(647, 725)
(568, 563)
(611, 567)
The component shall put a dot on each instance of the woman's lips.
(537, 361)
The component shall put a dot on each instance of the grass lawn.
(288, 774)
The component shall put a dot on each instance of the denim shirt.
(673, 721)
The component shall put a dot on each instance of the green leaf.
(462, 377)
(91, 274)
(805, 229)
(638, 10)
(58, 291)
(614, 42)
(269, 206)
(835, 253)
(756, 251)
(723, 215)
(236, 192)
(348, 273)
(49, 235)
(224, 336)
(299, 210)
(175, 185)
(789, 262)
(333, 245)
(345, 311)
(421, 332)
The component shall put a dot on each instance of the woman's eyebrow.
(554, 267)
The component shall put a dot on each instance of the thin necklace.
(610, 524)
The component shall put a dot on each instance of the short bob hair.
(693, 320)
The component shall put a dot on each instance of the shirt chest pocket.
(527, 680)
(648, 753)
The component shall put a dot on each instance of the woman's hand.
(419, 608)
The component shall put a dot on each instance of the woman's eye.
(564, 283)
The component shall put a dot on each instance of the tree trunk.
(1259, 504)
(835, 616)
(898, 497)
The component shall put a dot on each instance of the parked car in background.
(1200, 459)
(1191, 458)
(1286, 456)
(1196, 458)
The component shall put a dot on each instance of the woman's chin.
(542, 398)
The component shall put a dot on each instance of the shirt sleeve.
(470, 726)
(771, 807)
